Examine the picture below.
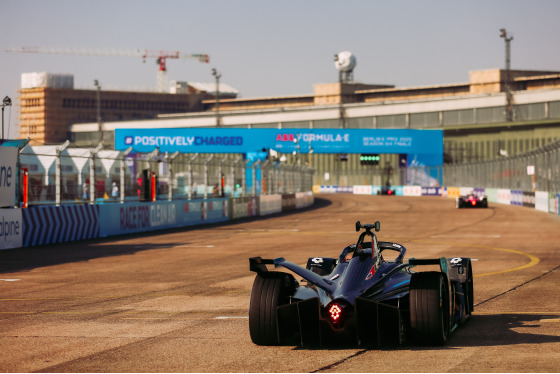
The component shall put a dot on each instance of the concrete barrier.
(11, 228)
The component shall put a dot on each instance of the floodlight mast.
(507, 78)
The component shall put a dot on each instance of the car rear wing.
(258, 265)
(442, 262)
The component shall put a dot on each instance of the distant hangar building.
(472, 115)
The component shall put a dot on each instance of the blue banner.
(424, 147)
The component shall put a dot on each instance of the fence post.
(206, 175)
(93, 153)
(58, 175)
(191, 175)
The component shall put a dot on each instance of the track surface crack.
(518, 286)
(335, 364)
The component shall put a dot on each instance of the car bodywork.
(360, 298)
(471, 201)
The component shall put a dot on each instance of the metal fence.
(531, 171)
(59, 175)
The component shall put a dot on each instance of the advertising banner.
(504, 196)
(516, 197)
(552, 203)
(270, 204)
(11, 228)
(465, 191)
(344, 189)
(8, 175)
(288, 202)
(424, 147)
(453, 192)
(491, 194)
(431, 191)
(529, 199)
(117, 219)
(541, 201)
(328, 189)
(241, 207)
(52, 224)
(412, 190)
(304, 199)
(480, 192)
(362, 190)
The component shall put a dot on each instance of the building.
(49, 105)
(473, 115)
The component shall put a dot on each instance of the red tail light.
(473, 202)
(389, 192)
(335, 313)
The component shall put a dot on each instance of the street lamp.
(217, 76)
(509, 99)
(6, 102)
(96, 83)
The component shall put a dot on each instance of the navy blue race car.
(360, 298)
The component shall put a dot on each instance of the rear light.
(473, 202)
(335, 312)
(389, 192)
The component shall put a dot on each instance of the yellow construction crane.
(160, 56)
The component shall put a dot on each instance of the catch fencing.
(537, 170)
(55, 175)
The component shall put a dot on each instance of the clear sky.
(277, 48)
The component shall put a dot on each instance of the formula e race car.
(471, 201)
(360, 298)
(386, 190)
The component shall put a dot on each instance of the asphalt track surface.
(177, 301)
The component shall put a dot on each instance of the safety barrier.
(40, 225)
(543, 201)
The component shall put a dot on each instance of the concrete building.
(472, 114)
(49, 105)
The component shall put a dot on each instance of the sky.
(275, 48)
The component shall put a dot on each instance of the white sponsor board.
(504, 196)
(362, 190)
(541, 201)
(466, 191)
(11, 228)
(8, 175)
(304, 199)
(412, 190)
(270, 204)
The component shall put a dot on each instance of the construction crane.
(161, 57)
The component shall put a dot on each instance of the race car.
(360, 298)
(471, 201)
(386, 190)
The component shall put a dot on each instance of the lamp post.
(217, 76)
(342, 118)
(96, 83)
(6, 102)
(509, 97)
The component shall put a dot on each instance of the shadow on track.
(23, 259)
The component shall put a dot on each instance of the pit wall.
(540, 200)
(40, 225)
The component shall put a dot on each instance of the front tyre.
(429, 308)
(270, 290)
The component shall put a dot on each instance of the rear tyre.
(270, 290)
(429, 308)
